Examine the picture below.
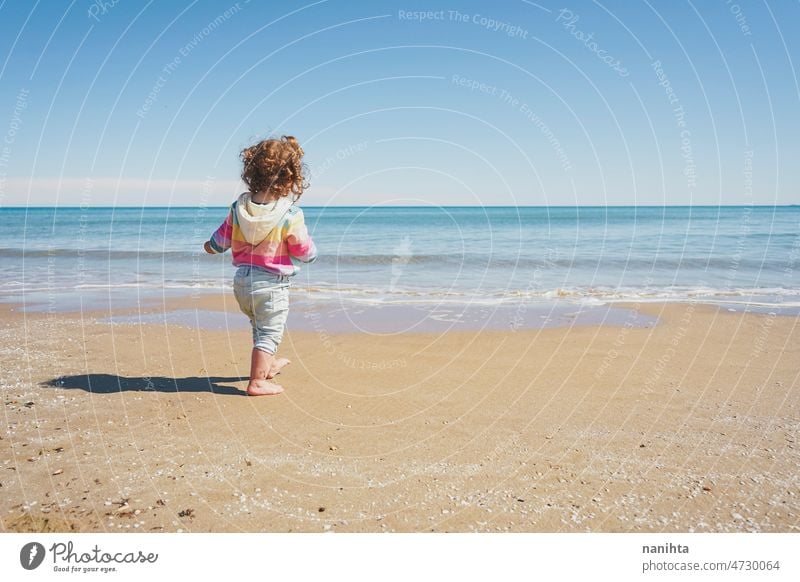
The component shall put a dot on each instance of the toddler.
(265, 230)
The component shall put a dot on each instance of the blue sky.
(510, 102)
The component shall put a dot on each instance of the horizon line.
(19, 207)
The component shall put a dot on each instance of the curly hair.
(275, 166)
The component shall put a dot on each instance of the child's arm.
(220, 241)
(301, 245)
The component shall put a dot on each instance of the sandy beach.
(689, 425)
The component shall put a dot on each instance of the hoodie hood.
(257, 220)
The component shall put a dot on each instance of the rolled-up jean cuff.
(266, 349)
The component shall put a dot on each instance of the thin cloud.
(106, 191)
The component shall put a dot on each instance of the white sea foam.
(367, 295)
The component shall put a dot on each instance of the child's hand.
(208, 249)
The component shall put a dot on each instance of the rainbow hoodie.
(267, 236)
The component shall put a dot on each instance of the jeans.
(264, 298)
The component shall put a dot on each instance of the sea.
(438, 260)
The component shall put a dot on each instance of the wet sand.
(690, 424)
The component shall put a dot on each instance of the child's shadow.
(111, 383)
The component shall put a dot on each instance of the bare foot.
(277, 365)
(263, 388)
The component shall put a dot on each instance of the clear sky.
(119, 102)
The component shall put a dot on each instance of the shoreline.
(146, 299)
(214, 310)
(688, 425)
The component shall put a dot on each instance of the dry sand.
(691, 425)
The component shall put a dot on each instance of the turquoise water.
(744, 255)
